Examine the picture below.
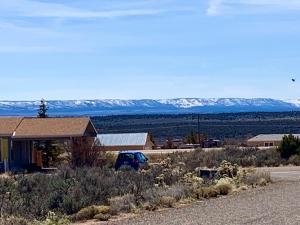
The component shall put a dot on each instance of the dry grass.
(13, 221)
(102, 217)
(167, 201)
(225, 186)
(90, 212)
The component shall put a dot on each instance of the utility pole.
(198, 128)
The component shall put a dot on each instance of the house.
(267, 140)
(125, 141)
(18, 135)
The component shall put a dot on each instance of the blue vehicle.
(131, 160)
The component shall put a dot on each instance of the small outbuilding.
(125, 141)
(267, 140)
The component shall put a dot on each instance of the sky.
(142, 49)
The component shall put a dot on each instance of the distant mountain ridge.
(149, 106)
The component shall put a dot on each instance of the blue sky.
(135, 49)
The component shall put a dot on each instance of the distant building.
(212, 143)
(125, 141)
(267, 140)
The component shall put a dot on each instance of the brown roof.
(52, 127)
(9, 125)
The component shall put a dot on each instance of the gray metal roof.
(126, 139)
(269, 137)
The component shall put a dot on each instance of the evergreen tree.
(290, 145)
(42, 113)
(50, 151)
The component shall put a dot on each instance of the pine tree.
(42, 113)
(45, 146)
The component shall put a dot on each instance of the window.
(129, 156)
(266, 144)
(141, 157)
(271, 144)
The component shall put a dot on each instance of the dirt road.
(278, 203)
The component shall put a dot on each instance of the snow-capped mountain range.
(149, 106)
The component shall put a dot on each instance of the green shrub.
(90, 212)
(294, 160)
(226, 169)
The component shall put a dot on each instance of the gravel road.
(278, 203)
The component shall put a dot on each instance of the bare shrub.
(179, 191)
(257, 178)
(84, 152)
(13, 221)
(126, 203)
(152, 198)
(294, 160)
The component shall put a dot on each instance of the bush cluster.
(246, 157)
(99, 193)
(69, 190)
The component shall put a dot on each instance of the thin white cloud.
(214, 7)
(218, 7)
(33, 8)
